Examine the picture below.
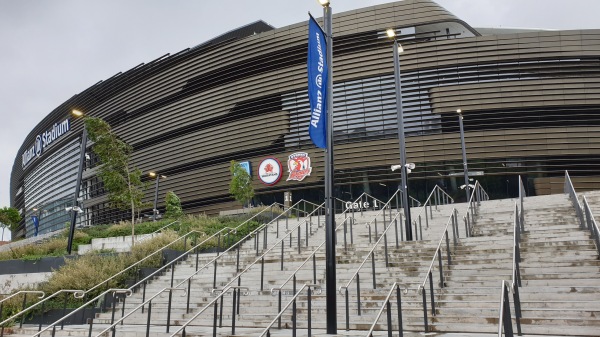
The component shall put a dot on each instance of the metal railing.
(584, 212)
(292, 302)
(477, 196)
(82, 294)
(24, 292)
(516, 271)
(282, 243)
(115, 291)
(570, 190)
(387, 306)
(437, 196)
(452, 220)
(373, 223)
(356, 275)
(504, 319)
(257, 233)
(591, 223)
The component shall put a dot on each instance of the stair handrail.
(127, 292)
(396, 286)
(259, 258)
(429, 201)
(81, 294)
(292, 301)
(273, 289)
(23, 292)
(117, 322)
(522, 195)
(592, 224)
(76, 294)
(249, 235)
(382, 210)
(570, 190)
(478, 194)
(504, 319)
(453, 219)
(382, 237)
(516, 272)
(219, 255)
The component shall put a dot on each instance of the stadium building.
(530, 100)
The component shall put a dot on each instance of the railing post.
(262, 273)
(309, 313)
(215, 318)
(387, 265)
(314, 258)
(396, 230)
(389, 318)
(506, 319)
(424, 298)
(441, 267)
(432, 294)
(233, 312)
(399, 305)
(448, 248)
(347, 310)
(517, 304)
(358, 293)
(373, 269)
(148, 320)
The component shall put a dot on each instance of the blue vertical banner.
(317, 83)
(36, 224)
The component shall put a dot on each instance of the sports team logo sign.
(269, 171)
(299, 166)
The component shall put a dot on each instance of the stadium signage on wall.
(43, 140)
(299, 166)
(269, 171)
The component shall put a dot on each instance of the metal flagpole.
(330, 217)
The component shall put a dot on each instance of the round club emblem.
(269, 171)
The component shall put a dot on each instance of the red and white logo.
(299, 166)
(269, 171)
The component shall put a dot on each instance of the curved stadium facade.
(530, 100)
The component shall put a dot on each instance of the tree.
(173, 206)
(122, 182)
(10, 217)
(240, 186)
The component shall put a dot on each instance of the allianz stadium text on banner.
(317, 83)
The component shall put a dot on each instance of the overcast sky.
(53, 49)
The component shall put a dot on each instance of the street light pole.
(464, 152)
(158, 176)
(77, 188)
(400, 120)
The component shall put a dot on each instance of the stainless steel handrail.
(472, 209)
(505, 287)
(127, 292)
(569, 189)
(259, 258)
(23, 292)
(387, 298)
(117, 322)
(369, 254)
(298, 293)
(437, 251)
(76, 294)
(592, 224)
(429, 200)
(273, 289)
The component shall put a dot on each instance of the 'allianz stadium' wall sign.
(269, 171)
(299, 166)
(44, 140)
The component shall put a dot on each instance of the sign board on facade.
(246, 166)
(269, 171)
(43, 140)
(299, 166)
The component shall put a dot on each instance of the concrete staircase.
(560, 291)
(560, 272)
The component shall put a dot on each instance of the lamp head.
(458, 111)
(391, 33)
(152, 174)
(76, 113)
(324, 3)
